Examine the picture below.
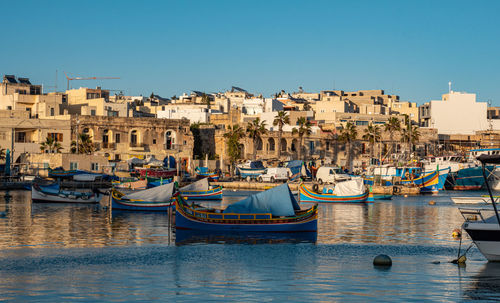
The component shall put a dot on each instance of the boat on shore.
(484, 228)
(351, 191)
(251, 170)
(53, 193)
(201, 190)
(203, 172)
(158, 198)
(274, 210)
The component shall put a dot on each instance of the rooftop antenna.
(449, 87)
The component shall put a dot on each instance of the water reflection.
(485, 285)
(185, 237)
(399, 221)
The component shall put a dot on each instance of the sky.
(409, 48)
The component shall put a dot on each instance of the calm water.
(52, 252)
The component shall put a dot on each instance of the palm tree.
(85, 145)
(303, 130)
(409, 134)
(234, 134)
(2, 153)
(255, 130)
(281, 119)
(372, 135)
(393, 125)
(348, 134)
(50, 145)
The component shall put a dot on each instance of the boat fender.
(315, 187)
(456, 233)
(396, 189)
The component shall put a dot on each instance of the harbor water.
(56, 252)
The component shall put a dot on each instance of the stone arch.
(259, 143)
(134, 137)
(284, 145)
(170, 139)
(271, 145)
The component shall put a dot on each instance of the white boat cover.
(199, 185)
(161, 193)
(86, 177)
(152, 161)
(135, 160)
(351, 187)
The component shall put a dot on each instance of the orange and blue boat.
(274, 210)
(203, 172)
(428, 183)
(351, 191)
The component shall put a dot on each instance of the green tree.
(348, 135)
(255, 130)
(303, 130)
(393, 125)
(372, 135)
(409, 134)
(85, 145)
(50, 145)
(233, 136)
(281, 119)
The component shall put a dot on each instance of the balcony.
(108, 145)
(138, 146)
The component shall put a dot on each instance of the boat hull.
(307, 195)
(470, 178)
(189, 219)
(486, 236)
(211, 194)
(139, 205)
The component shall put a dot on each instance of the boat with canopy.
(53, 193)
(274, 210)
(201, 190)
(158, 198)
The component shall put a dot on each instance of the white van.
(274, 174)
(328, 174)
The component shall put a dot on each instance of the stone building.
(119, 138)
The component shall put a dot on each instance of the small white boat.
(471, 200)
(53, 194)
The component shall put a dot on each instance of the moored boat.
(274, 210)
(483, 229)
(351, 191)
(201, 190)
(52, 193)
(251, 169)
(158, 198)
(155, 172)
(203, 172)
(470, 200)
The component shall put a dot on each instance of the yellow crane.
(85, 78)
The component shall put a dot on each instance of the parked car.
(274, 174)
(328, 174)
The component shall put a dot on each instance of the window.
(73, 165)
(94, 166)
(92, 112)
(56, 136)
(117, 157)
(20, 137)
(154, 141)
(133, 137)
(52, 111)
(117, 138)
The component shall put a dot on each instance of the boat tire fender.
(396, 189)
(315, 187)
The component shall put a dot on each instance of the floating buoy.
(382, 260)
(456, 233)
(461, 260)
(432, 202)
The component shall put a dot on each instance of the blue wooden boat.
(251, 169)
(189, 237)
(382, 197)
(201, 190)
(203, 172)
(428, 182)
(298, 169)
(158, 198)
(351, 191)
(470, 178)
(52, 193)
(274, 210)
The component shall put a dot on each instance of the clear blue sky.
(409, 48)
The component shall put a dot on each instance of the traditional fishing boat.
(350, 191)
(158, 198)
(203, 172)
(484, 229)
(251, 169)
(274, 210)
(201, 190)
(52, 193)
(428, 182)
(131, 184)
(155, 172)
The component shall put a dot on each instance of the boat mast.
(489, 192)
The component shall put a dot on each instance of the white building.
(456, 113)
(194, 113)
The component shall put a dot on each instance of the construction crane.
(86, 78)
